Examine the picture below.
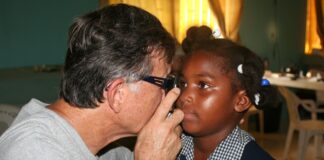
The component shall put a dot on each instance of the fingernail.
(177, 90)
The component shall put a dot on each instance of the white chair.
(306, 128)
(7, 115)
(254, 111)
(320, 97)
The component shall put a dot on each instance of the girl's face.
(206, 99)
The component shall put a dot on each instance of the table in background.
(301, 83)
(19, 85)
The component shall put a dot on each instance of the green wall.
(35, 32)
(275, 29)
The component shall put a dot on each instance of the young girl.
(220, 81)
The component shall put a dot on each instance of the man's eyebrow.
(169, 70)
(180, 75)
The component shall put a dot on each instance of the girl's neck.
(205, 145)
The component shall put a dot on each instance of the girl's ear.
(114, 94)
(242, 102)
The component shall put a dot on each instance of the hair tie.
(240, 68)
(257, 98)
(217, 33)
(265, 82)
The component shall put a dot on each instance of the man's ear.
(242, 102)
(114, 94)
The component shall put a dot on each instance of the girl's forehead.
(204, 62)
(206, 57)
(209, 63)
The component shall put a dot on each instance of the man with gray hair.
(113, 86)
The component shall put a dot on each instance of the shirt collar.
(230, 148)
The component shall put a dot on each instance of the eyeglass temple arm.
(155, 80)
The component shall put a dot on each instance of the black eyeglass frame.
(165, 83)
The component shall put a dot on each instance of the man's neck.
(92, 124)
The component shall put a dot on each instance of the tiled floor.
(274, 144)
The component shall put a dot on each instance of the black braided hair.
(252, 69)
(194, 35)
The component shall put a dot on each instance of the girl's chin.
(190, 128)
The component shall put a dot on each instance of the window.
(313, 41)
(194, 13)
(178, 15)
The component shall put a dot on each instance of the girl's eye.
(203, 85)
(182, 84)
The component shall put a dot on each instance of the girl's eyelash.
(203, 85)
(200, 84)
(182, 83)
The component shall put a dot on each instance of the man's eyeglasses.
(165, 83)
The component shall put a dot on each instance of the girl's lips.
(189, 116)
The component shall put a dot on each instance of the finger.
(166, 104)
(176, 118)
(242, 121)
(178, 131)
(178, 146)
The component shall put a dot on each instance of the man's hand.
(160, 137)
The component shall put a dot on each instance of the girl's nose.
(185, 98)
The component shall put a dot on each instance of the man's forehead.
(168, 70)
(160, 65)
